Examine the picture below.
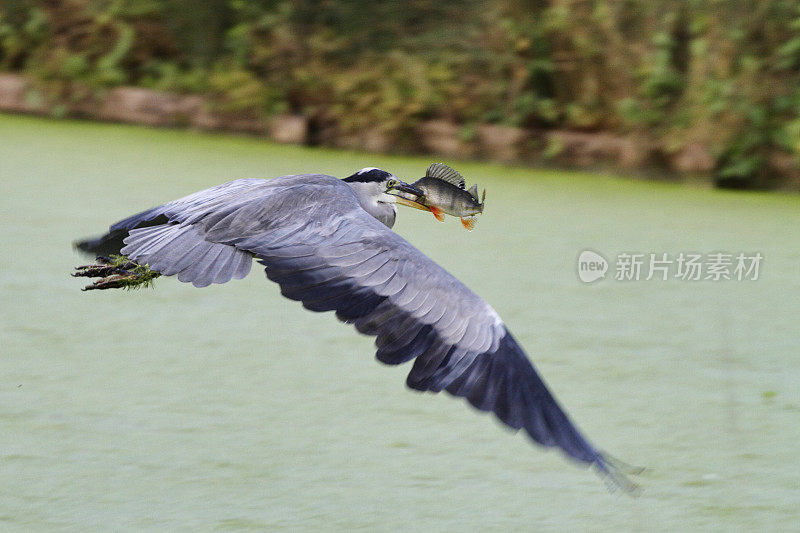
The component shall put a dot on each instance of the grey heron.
(328, 243)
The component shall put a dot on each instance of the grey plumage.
(176, 249)
(328, 244)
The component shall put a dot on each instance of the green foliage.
(238, 90)
(721, 74)
(130, 275)
(22, 28)
(169, 76)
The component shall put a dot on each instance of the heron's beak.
(403, 191)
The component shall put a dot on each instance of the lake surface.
(231, 408)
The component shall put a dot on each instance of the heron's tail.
(112, 242)
(105, 245)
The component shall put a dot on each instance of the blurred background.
(672, 87)
(615, 126)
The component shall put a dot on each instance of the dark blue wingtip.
(615, 474)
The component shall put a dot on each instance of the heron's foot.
(116, 272)
(106, 266)
(115, 281)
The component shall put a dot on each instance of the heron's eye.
(391, 184)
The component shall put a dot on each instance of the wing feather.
(184, 258)
(180, 249)
(112, 242)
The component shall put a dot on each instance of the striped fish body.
(448, 198)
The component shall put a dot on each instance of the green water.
(230, 408)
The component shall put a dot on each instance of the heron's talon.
(102, 270)
(114, 281)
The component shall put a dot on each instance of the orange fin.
(438, 213)
(469, 222)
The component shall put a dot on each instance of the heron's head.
(379, 192)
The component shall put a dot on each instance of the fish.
(445, 193)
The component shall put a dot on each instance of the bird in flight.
(328, 243)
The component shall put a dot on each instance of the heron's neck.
(375, 201)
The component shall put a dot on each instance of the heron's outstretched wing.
(112, 242)
(326, 252)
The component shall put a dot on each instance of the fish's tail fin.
(469, 222)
